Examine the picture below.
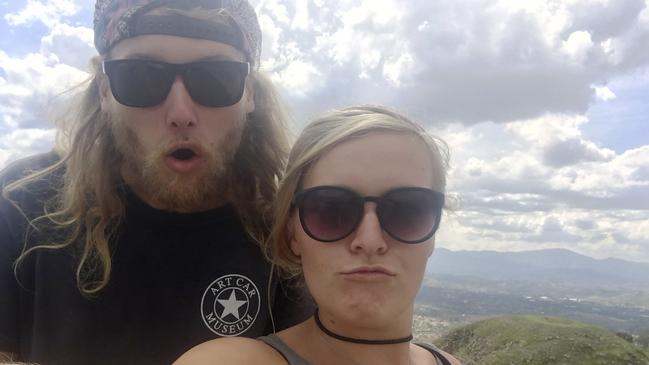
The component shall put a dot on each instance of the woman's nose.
(369, 236)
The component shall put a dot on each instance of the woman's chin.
(366, 315)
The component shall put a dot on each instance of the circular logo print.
(230, 305)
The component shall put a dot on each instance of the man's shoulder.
(23, 167)
(31, 196)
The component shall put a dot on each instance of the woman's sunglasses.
(331, 213)
(146, 83)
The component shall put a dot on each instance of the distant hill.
(538, 340)
(542, 265)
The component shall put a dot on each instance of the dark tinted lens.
(216, 84)
(330, 214)
(139, 83)
(410, 215)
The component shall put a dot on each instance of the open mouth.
(183, 159)
(183, 154)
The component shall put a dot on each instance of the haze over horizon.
(544, 104)
(565, 251)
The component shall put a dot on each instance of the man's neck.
(203, 206)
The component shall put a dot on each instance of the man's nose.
(369, 238)
(181, 109)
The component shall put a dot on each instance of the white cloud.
(365, 28)
(24, 142)
(32, 85)
(298, 77)
(73, 46)
(507, 83)
(573, 151)
(515, 198)
(463, 61)
(301, 20)
(272, 33)
(374, 12)
(393, 70)
(276, 9)
(603, 93)
(49, 12)
(577, 46)
(547, 129)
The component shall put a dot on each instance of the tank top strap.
(441, 359)
(291, 357)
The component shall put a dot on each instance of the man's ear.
(104, 89)
(249, 95)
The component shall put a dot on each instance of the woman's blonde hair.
(317, 139)
(89, 207)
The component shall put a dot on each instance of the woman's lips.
(368, 273)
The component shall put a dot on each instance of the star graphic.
(231, 305)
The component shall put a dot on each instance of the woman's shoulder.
(231, 350)
(451, 359)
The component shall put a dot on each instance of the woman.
(356, 216)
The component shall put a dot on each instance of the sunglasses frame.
(300, 196)
(177, 69)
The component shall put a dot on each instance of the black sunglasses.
(331, 213)
(146, 83)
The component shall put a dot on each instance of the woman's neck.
(360, 340)
(367, 325)
(321, 349)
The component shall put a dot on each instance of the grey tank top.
(294, 359)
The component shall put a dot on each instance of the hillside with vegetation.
(540, 340)
(462, 287)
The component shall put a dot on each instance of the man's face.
(176, 154)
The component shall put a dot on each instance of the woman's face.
(368, 275)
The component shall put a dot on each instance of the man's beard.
(168, 190)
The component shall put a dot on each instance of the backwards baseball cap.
(116, 20)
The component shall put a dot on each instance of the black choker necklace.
(359, 340)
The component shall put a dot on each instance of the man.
(138, 237)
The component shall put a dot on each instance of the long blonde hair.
(317, 139)
(89, 206)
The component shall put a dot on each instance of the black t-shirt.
(177, 280)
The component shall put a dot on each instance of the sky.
(544, 104)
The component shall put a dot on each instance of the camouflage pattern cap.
(116, 20)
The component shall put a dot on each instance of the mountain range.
(551, 265)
